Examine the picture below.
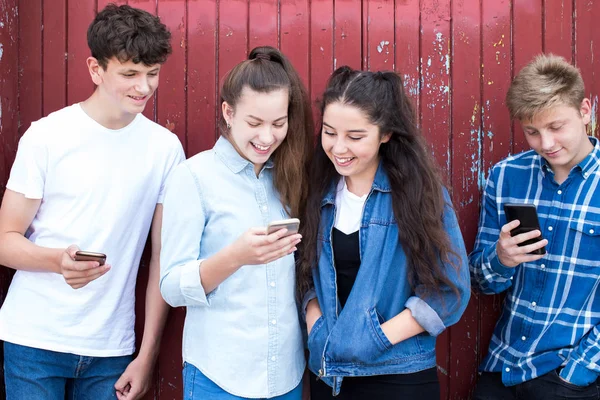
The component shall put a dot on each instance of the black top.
(346, 254)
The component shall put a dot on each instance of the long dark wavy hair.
(266, 70)
(416, 184)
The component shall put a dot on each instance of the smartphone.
(527, 215)
(292, 225)
(90, 256)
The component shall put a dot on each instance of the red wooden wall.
(456, 56)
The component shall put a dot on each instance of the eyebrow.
(129, 71)
(349, 131)
(258, 119)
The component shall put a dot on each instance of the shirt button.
(273, 358)
(264, 208)
(507, 369)
(585, 175)
(543, 266)
(273, 322)
(523, 338)
(559, 192)
(591, 231)
(272, 284)
(534, 304)
(550, 228)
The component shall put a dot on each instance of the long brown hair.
(417, 189)
(265, 70)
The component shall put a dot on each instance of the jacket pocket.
(586, 239)
(316, 344)
(383, 343)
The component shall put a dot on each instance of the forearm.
(217, 268)
(17, 252)
(157, 311)
(582, 364)
(401, 327)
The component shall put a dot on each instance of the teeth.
(263, 148)
(344, 160)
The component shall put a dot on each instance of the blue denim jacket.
(350, 342)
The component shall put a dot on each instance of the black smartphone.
(527, 215)
(90, 256)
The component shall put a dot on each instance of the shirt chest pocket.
(586, 242)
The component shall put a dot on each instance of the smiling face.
(559, 135)
(125, 87)
(352, 144)
(258, 124)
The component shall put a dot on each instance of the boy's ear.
(95, 70)
(586, 111)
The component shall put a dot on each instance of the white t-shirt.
(99, 189)
(348, 209)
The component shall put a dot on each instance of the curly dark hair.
(128, 33)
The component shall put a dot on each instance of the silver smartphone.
(292, 225)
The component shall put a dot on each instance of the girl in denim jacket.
(242, 337)
(382, 243)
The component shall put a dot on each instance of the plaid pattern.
(551, 314)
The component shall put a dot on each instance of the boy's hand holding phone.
(520, 239)
(80, 269)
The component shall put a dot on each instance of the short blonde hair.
(545, 82)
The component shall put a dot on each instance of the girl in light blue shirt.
(242, 337)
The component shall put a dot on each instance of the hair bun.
(263, 56)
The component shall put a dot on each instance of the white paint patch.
(0, 113)
(1, 51)
(1, 24)
(382, 45)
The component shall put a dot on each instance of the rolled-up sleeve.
(182, 228)
(443, 308)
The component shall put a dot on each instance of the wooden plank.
(558, 28)
(321, 49)
(435, 121)
(408, 55)
(294, 35)
(380, 51)
(347, 34)
(171, 108)
(30, 62)
(79, 16)
(233, 35)
(202, 89)
(10, 14)
(262, 23)
(54, 55)
(527, 43)
(496, 126)
(466, 169)
(586, 49)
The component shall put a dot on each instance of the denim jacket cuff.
(308, 296)
(426, 316)
(497, 266)
(190, 284)
(578, 374)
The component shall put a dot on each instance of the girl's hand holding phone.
(255, 246)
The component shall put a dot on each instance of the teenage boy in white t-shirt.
(90, 177)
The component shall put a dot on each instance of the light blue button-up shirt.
(244, 335)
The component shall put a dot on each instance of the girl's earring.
(228, 125)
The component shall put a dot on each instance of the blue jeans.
(196, 386)
(36, 374)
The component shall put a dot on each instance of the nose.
(339, 147)
(142, 85)
(266, 134)
(547, 141)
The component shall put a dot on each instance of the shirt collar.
(587, 166)
(381, 183)
(231, 158)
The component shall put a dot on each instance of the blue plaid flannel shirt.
(551, 314)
